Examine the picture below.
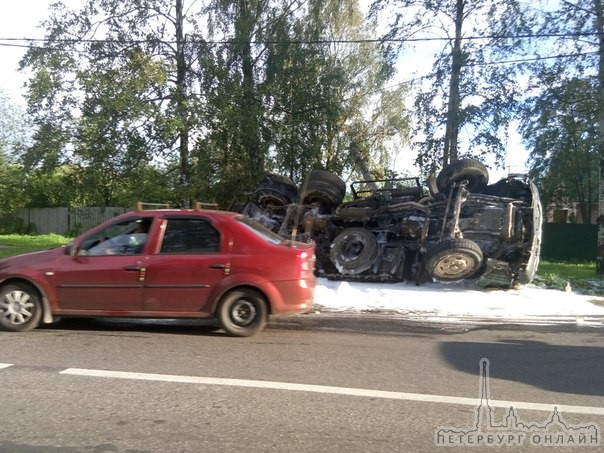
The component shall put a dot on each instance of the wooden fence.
(65, 221)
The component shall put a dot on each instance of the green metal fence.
(569, 242)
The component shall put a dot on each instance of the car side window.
(123, 238)
(190, 235)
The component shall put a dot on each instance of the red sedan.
(163, 264)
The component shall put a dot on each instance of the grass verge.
(15, 244)
(581, 277)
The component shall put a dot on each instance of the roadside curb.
(388, 323)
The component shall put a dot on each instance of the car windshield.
(124, 238)
(259, 230)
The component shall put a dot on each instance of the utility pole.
(600, 28)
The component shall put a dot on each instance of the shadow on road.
(169, 326)
(557, 368)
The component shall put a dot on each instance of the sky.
(21, 19)
(18, 20)
(460, 302)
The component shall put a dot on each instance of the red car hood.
(31, 260)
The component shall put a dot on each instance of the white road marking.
(5, 365)
(333, 390)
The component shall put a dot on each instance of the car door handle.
(132, 268)
(217, 266)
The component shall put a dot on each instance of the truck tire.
(453, 260)
(471, 170)
(325, 189)
(354, 251)
(275, 191)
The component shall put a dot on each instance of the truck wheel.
(453, 260)
(354, 251)
(275, 191)
(471, 170)
(20, 308)
(242, 312)
(325, 189)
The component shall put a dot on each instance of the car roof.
(214, 213)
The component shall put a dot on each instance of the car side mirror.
(70, 249)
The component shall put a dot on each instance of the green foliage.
(11, 224)
(104, 104)
(562, 117)
(13, 137)
(286, 103)
(51, 189)
(135, 101)
(125, 105)
(74, 231)
(561, 127)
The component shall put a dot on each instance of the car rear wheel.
(472, 171)
(20, 308)
(354, 251)
(243, 312)
(453, 260)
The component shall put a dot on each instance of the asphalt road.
(89, 386)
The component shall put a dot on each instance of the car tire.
(20, 307)
(243, 312)
(275, 191)
(354, 251)
(325, 189)
(453, 260)
(471, 170)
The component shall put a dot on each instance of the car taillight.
(306, 266)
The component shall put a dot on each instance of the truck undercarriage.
(395, 230)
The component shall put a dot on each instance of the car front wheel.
(20, 308)
(453, 260)
(243, 313)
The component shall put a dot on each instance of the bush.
(9, 224)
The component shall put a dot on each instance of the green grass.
(15, 244)
(582, 277)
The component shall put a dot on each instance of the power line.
(27, 42)
(526, 60)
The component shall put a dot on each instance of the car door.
(105, 275)
(190, 261)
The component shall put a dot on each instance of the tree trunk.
(181, 108)
(452, 129)
(250, 126)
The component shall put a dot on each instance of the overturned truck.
(457, 227)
